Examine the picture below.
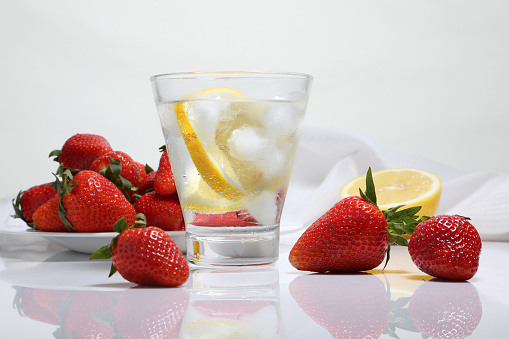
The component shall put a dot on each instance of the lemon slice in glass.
(210, 162)
(400, 186)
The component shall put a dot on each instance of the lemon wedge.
(400, 186)
(208, 160)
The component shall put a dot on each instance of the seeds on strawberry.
(354, 235)
(92, 203)
(162, 211)
(80, 151)
(127, 167)
(350, 237)
(46, 217)
(164, 183)
(145, 256)
(446, 246)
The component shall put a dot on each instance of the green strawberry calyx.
(63, 184)
(112, 173)
(18, 213)
(121, 225)
(400, 221)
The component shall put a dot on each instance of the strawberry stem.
(64, 187)
(18, 213)
(400, 221)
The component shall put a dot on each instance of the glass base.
(232, 245)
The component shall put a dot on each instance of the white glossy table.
(47, 291)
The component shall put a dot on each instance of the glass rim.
(205, 75)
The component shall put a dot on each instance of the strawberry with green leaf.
(118, 167)
(91, 203)
(27, 202)
(145, 255)
(354, 235)
(80, 151)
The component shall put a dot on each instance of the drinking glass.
(231, 139)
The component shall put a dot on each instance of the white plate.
(81, 242)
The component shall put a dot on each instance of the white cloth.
(327, 158)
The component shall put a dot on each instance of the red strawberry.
(223, 219)
(46, 217)
(142, 170)
(162, 211)
(443, 310)
(127, 167)
(92, 203)
(80, 151)
(164, 183)
(145, 256)
(28, 201)
(150, 313)
(147, 184)
(446, 246)
(348, 306)
(352, 236)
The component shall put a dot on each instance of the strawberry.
(145, 256)
(443, 310)
(446, 246)
(347, 306)
(164, 183)
(111, 169)
(162, 211)
(234, 218)
(80, 151)
(92, 203)
(354, 235)
(147, 184)
(47, 218)
(27, 202)
(142, 170)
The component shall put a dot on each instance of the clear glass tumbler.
(231, 138)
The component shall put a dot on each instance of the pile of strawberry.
(97, 188)
(355, 235)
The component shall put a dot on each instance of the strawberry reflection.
(445, 309)
(40, 304)
(240, 303)
(134, 313)
(346, 305)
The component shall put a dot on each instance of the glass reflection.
(133, 313)
(240, 303)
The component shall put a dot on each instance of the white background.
(429, 78)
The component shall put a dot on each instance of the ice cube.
(272, 164)
(247, 143)
(284, 119)
(264, 208)
(204, 116)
